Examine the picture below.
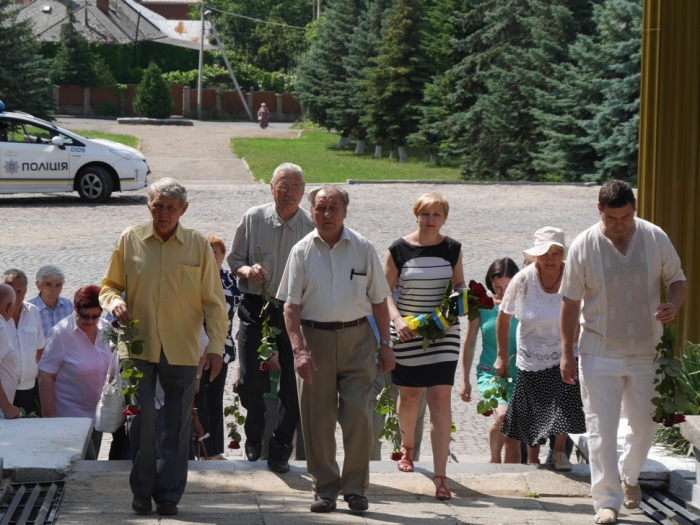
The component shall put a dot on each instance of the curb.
(155, 121)
(475, 183)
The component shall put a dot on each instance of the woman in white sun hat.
(542, 404)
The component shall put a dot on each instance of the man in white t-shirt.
(8, 381)
(612, 282)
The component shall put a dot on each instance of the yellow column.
(669, 138)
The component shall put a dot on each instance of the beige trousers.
(340, 392)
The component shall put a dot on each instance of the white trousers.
(605, 383)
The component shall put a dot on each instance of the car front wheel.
(94, 185)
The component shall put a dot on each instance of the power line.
(253, 19)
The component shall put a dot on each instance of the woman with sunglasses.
(73, 367)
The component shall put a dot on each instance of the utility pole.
(228, 66)
(201, 66)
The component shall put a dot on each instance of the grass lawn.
(316, 153)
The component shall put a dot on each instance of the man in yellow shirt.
(173, 287)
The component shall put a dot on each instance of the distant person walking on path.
(8, 380)
(419, 266)
(269, 232)
(497, 279)
(52, 307)
(263, 115)
(616, 268)
(173, 287)
(542, 404)
(332, 282)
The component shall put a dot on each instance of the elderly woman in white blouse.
(542, 404)
(74, 365)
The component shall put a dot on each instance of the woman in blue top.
(497, 278)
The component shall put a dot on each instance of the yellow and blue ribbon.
(440, 320)
(463, 302)
(416, 322)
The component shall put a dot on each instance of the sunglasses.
(89, 317)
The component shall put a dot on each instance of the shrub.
(153, 98)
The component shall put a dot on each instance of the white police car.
(39, 157)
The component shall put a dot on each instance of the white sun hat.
(545, 238)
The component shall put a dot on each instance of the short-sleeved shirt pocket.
(189, 278)
(31, 336)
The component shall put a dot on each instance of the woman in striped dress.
(418, 267)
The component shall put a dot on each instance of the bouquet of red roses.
(466, 301)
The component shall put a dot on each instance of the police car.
(39, 157)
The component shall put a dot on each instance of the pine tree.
(488, 116)
(24, 85)
(153, 99)
(74, 64)
(397, 77)
(322, 83)
(614, 130)
(488, 109)
(364, 45)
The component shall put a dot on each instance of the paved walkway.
(491, 221)
(238, 493)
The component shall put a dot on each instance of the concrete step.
(240, 492)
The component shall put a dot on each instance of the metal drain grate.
(663, 509)
(30, 503)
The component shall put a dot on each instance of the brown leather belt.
(338, 327)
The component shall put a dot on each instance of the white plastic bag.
(109, 415)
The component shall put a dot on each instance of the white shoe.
(561, 462)
(633, 495)
(606, 515)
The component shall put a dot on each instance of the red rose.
(234, 445)
(477, 288)
(488, 412)
(487, 302)
(396, 456)
(132, 410)
(264, 366)
(115, 323)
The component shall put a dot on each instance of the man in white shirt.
(8, 381)
(27, 339)
(612, 282)
(333, 280)
(52, 307)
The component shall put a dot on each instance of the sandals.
(406, 463)
(442, 492)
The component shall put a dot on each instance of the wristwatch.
(386, 342)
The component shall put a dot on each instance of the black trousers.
(253, 383)
(162, 480)
(28, 400)
(210, 409)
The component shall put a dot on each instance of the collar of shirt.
(277, 220)
(344, 236)
(150, 231)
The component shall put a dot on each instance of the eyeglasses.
(89, 317)
(295, 189)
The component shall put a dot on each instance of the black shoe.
(166, 508)
(322, 505)
(141, 506)
(356, 502)
(252, 451)
(278, 466)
